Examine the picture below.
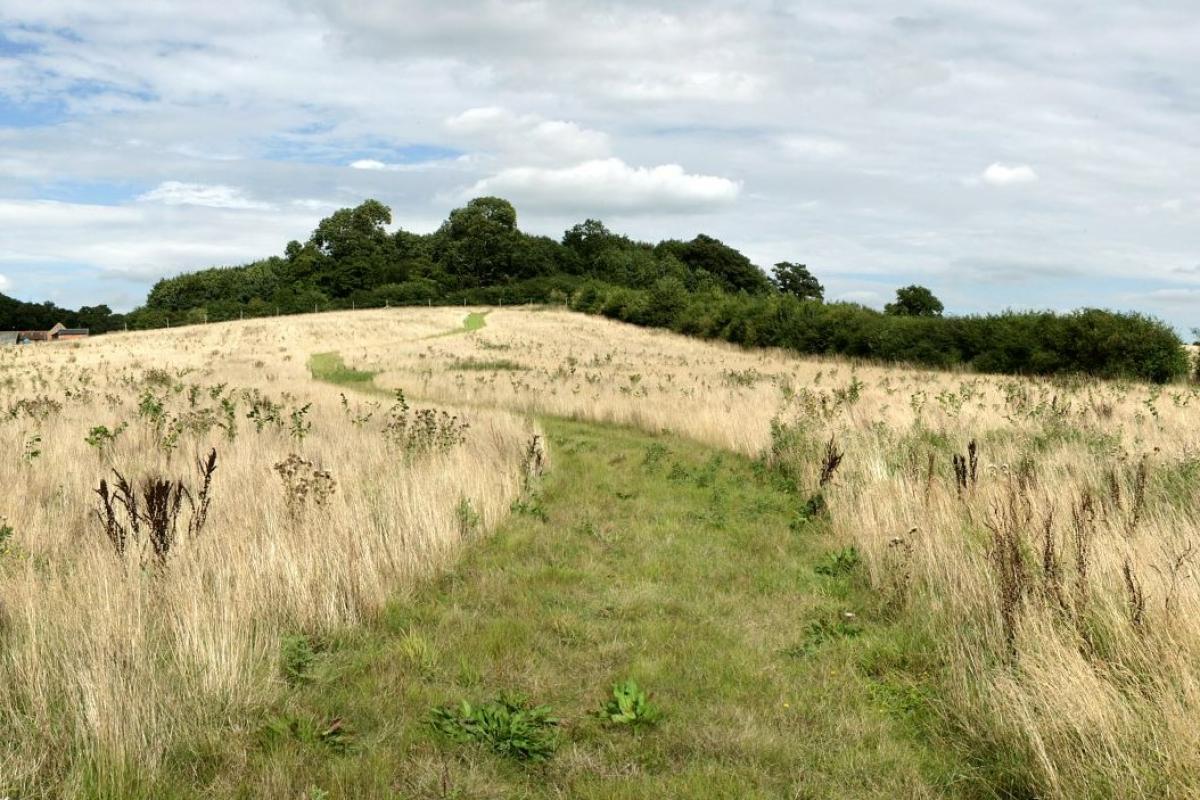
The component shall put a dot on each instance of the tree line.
(701, 287)
(18, 315)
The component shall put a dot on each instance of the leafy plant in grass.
(102, 438)
(821, 632)
(296, 657)
(629, 705)
(655, 454)
(839, 563)
(469, 519)
(508, 726)
(33, 448)
(336, 734)
(530, 506)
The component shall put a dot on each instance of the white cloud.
(178, 193)
(312, 204)
(868, 115)
(814, 147)
(866, 297)
(610, 185)
(1178, 297)
(142, 242)
(1005, 175)
(374, 165)
(528, 137)
(38, 215)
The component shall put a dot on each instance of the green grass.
(489, 365)
(649, 559)
(329, 367)
(474, 321)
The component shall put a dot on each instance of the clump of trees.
(18, 315)
(701, 287)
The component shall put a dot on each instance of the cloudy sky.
(1025, 154)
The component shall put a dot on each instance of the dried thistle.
(1136, 596)
(302, 482)
(831, 460)
(153, 509)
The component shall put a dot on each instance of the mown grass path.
(474, 321)
(635, 556)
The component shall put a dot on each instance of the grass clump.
(334, 734)
(820, 633)
(296, 657)
(509, 726)
(629, 705)
(485, 365)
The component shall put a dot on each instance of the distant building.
(58, 333)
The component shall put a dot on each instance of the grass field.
(833, 580)
(636, 557)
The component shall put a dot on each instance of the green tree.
(357, 248)
(477, 242)
(706, 256)
(796, 280)
(915, 301)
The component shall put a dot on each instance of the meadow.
(133, 620)
(836, 578)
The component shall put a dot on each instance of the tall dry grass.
(1058, 580)
(1055, 580)
(108, 664)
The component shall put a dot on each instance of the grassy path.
(476, 320)
(635, 556)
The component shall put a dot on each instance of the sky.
(1007, 155)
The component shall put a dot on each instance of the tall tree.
(477, 242)
(795, 279)
(915, 301)
(705, 255)
(357, 247)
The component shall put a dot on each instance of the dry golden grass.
(1059, 583)
(109, 662)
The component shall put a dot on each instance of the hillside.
(702, 287)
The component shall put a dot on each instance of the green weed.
(629, 705)
(508, 726)
(839, 563)
(821, 632)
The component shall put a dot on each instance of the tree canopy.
(914, 301)
(796, 280)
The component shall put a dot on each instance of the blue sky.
(1023, 156)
